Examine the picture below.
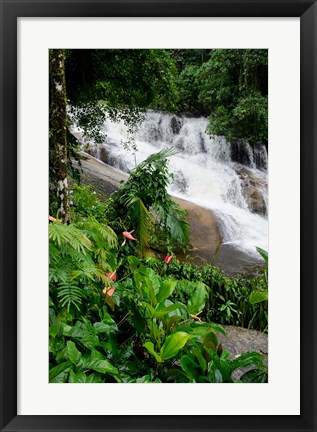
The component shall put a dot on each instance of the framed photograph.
(262, 195)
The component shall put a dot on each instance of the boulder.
(253, 188)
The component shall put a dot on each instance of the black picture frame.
(10, 11)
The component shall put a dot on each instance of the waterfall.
(231, 180)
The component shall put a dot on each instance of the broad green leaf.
(56, 329)
(153, 278)
(85, 333)
(93, 355)
(210, 340)
(78, 377)
(105, 328)
(167, 310)
(264, 254)
(102, 366)
(73, 354)
(150, 290)
(254, 376)
(59, 374)
(223, 366)
(166, 290)
(150, 308)
(202, 328)
(56, 345)
(81, 377)
(202, 361)
(106, 318)
(198, 298)
(150, 347)
(190, 367)
(173, 344)
(133, 262)
(258, 296)
(246, 360)
(93, 378)
(144, 379)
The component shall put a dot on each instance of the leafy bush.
(135, 329)
(85, 203)
(80, 256)
(143, 204)
(228, 297)
(233, 85)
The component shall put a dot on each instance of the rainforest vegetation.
(122, 307)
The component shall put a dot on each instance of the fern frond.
(158, 157)
(101, 234)
(70, 294)
(61, 234)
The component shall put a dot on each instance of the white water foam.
(203, 171)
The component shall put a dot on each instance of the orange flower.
(108, 291)
(52, 219)
(168, 258)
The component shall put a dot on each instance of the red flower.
(128, 235)
(112, 276)
(108, 291)
(168, 258)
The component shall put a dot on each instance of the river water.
(207, 171)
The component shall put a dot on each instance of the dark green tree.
(234, 86)
(119, 84)
(96, 84)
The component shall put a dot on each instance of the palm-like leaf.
(141, 220)
(158, 157)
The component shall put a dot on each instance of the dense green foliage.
(116, 318)
(228, 297)
(143, 204)
(116, 314)
(230, 86)
(119, 84)
(131, 330)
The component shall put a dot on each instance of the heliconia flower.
(168, 258)
(108, 291)
(52, 219)
(112, 276)
(128, 235)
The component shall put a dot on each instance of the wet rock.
(240, 340)
(205, 236)
(241, 152)
(176, 125)
(253, 191)
(180, 184)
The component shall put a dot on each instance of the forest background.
(117, 315)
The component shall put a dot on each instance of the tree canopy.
(229, 86)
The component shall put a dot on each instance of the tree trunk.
(58, 133)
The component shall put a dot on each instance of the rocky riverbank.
(205, 236)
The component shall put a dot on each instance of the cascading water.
(206, 171)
